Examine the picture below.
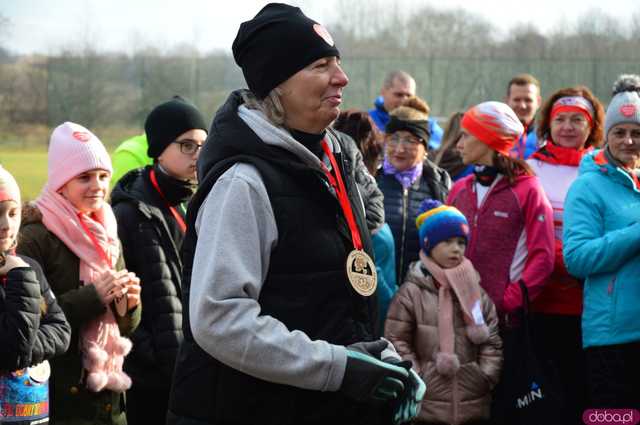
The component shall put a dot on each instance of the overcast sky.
(46, 26)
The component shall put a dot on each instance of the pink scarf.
(102, 347)
(463, 282)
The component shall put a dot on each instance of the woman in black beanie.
(279, 283)
(150, 206)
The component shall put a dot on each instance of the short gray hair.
(270, 106)
(396, 75)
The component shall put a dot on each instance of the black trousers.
(614, 376)
(557, 342)
(147, 406)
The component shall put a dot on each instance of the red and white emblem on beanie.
(322, 32)
(81, 136)
(628, 110)
(67, 158)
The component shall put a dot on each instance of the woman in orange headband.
(511, 220)
(571, 123)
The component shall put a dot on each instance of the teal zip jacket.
(602, 246)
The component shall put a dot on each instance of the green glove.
(367, 378)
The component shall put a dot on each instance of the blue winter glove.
(367, 378)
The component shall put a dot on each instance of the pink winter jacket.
(412, 327)
(511, 237)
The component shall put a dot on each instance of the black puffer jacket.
(151, 247)
(371, 195)
(401, 208)
(29, 334)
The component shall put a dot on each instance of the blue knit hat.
(438, 222)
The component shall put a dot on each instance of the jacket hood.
(598, 162)
(128, 188)
(30, 214)
(419, 276)
(588, 164)
(133, 188)
(231, 136)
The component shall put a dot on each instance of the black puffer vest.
(306, 289)
(401, 207)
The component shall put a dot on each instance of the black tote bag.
(525, 394)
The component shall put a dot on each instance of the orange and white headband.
(574, 104)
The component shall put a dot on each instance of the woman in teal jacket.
(602, 246)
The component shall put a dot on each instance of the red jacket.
(511, 237)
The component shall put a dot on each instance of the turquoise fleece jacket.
(602, 246)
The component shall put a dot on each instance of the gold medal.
(362, 273)
(40, 372)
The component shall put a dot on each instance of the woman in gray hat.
(279, 283)
(601, 239)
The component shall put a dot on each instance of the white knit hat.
(73, 150)
(9, 190)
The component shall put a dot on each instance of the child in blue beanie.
(444, 322)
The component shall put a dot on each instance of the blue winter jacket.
(385, 252)
(401, 207)
(381, 117)
(602, 245)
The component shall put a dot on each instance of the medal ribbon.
(176, 214)
(105, 257)
(338, 185)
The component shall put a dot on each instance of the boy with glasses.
(150, 207)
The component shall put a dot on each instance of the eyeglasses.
(188, 147)
(408, 143)
(621, 133)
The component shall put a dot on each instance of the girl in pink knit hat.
(72, 232)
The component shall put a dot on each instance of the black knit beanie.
(278, 42)
(167, 121)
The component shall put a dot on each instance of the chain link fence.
(120, 90)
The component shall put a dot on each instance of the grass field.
(29, 167)
(23, 151)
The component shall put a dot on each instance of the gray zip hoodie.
(236, 234)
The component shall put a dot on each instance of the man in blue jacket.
(523, 96)
(397, 87)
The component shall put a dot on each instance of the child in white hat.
(33, 328)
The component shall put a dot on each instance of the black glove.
(367, 378)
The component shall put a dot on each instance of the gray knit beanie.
(625, 104)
